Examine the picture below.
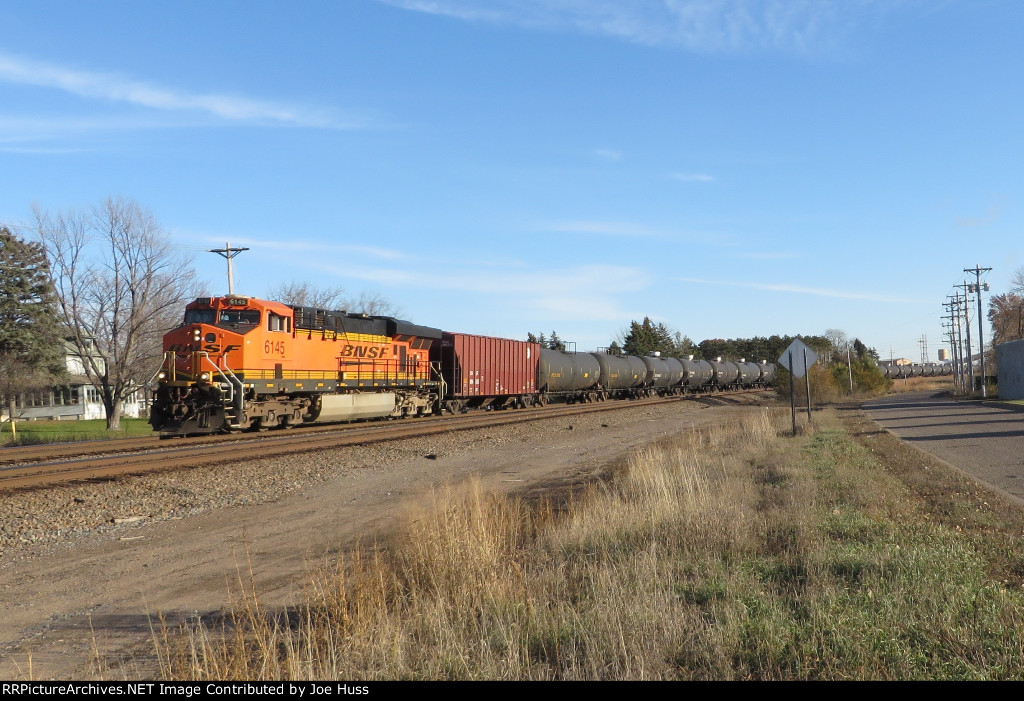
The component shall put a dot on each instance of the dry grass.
(734, 552)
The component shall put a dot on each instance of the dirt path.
(68, 610)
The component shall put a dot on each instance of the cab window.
(239, 317)
(276, 322)
(200, 316)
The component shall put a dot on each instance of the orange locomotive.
(238, 363)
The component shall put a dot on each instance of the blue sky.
(729, 167)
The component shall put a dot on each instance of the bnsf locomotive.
(240, 363)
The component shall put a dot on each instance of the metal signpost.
(798, 358)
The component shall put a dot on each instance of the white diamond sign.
(798, 358)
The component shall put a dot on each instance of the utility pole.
(977, 288)
(849, 364)
(228, 252)
(949, 337)
(954, 330)
(967, 325)
(952, 344)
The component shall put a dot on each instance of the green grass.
(40, 432)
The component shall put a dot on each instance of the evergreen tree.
(31, 343)
(682, 346)
(647, 337)
(555, 343)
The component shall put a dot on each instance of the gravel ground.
(84, 568)
(43, 518)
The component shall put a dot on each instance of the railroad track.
(75, 462)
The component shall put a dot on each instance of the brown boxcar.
(482, 370)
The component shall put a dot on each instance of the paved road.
(984, 440)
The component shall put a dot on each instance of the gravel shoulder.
(85, 570)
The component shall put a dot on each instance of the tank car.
(577, 376)
(724, 373)
(663, 374)
(621, 375)
(768, 373)
(697, 374)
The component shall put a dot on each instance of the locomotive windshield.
(200, 316)
(225, 318)
(238, 317)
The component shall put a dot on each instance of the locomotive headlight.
(205, 376)
(161, 375)
(196, 333)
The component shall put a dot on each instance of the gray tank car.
(724, 373)
(576, 374)
(662, 374)
(621, 374)
(697, 374)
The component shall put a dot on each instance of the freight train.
(238, 363)
(899, 372)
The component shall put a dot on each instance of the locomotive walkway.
(982, 439)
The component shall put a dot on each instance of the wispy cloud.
(797, 289)
(990, 216)
(313, 247)
(608, 154)
(768, 255)
(117, 88)
(693, 177)
(605, 228)
(696, 25)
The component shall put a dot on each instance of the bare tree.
(839, 341)
(1006, 314)
(374, 304)
(1017, 281)
(306, 294)
(121, 286)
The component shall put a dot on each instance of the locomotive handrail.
(436, 367)
(169, 365)
(231, 379)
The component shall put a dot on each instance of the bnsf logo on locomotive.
(194, 347)
(351, 351)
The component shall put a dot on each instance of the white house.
(77, 400)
